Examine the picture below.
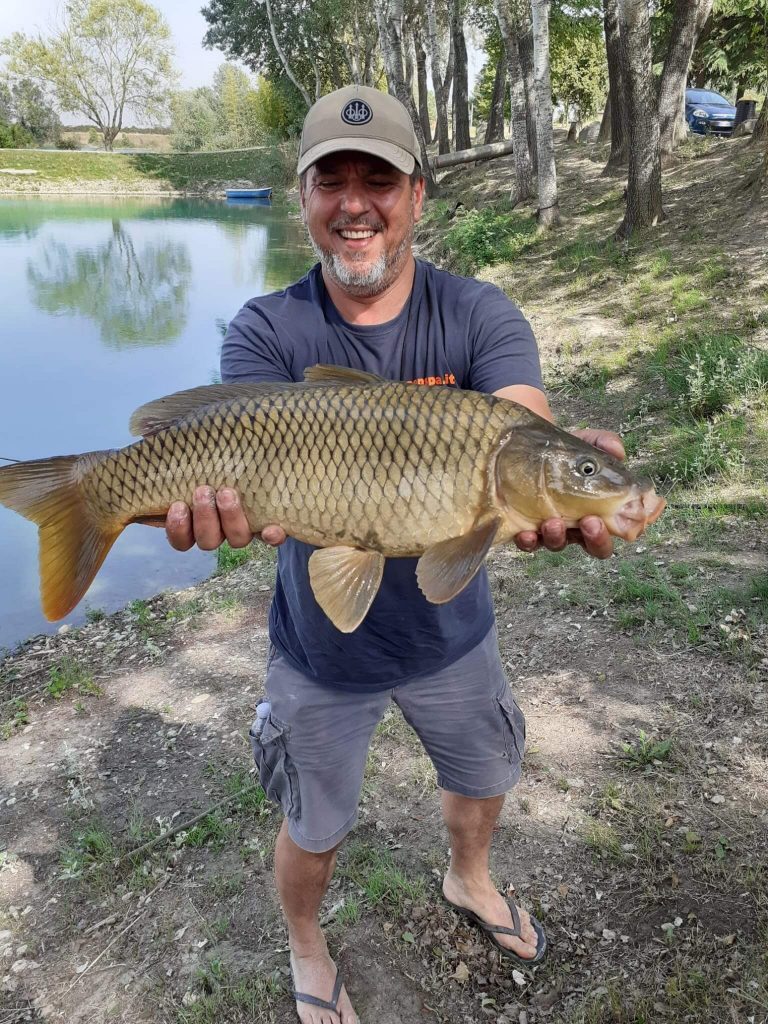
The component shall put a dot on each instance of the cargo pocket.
(276, 772)
(514, 720)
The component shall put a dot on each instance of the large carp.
(364, 468)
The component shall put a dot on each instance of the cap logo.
(356, 112)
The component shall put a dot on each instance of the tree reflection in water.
(138, 297)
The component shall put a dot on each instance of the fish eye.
(588, 467)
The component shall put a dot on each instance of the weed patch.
(484, 237)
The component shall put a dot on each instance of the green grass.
(644, 752)
(92, 847)
(382, 882)
(481, 238)
(223, 995)
(18, 716)
(172, 171)
(68, 674)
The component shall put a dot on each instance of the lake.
(106, 305)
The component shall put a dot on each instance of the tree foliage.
(27, 113)
(323, 44)
(106, 57)
(235, 112)
(579, 67)
(735, 47)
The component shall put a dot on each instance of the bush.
(68, 143)
(13, 136)
(484, 237)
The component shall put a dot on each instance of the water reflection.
(137, 296)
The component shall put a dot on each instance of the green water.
(105, 305)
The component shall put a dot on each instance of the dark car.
(708, 112)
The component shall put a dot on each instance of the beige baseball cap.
(361, 119)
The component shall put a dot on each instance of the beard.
(356, 274)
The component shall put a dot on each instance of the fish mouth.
(631, 520)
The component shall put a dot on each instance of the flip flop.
(493, 930)
(325, 1004)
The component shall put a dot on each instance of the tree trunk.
(283, 58)
(760, 134)
(573, 132)
(407, 42)
(548, 213)
(469, 156)
(605, 124)
(494, 131)
(525, 49)
(433, 46)
(523, 179)
(644, 183)
(461, 138)
(688, 19)
(618, 155)
(421, 84)
(389, 18)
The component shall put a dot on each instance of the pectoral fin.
(446, 568)
(345, 581)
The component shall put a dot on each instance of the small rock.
(718, 798)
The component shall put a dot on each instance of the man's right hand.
(213, 518)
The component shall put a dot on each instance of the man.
(370, 305)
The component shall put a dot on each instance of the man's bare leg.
(302, 881)
(468, 882)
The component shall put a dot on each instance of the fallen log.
(468, 156)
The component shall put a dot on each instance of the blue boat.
(249, 193)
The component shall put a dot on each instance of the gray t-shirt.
(453, 330)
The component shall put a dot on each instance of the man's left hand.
(591, 532)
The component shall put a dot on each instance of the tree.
(688, 19)
(194, 119)
(461, 138)
(518, 127)
(107, 56)
(25, 105)
(440, 76)
(548, 213)
(734, 46)
(318, 44)
(389, 16)
(579, 69)
(644, 182)
(616, 91)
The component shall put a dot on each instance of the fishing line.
(4, 458)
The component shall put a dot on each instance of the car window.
(704, 96)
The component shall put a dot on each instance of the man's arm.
(591, 533)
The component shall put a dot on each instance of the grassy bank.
(144, 172)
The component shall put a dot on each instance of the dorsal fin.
(322, 374)
(164, 412)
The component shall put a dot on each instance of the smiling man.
(369, 304)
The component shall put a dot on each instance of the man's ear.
(417, 198)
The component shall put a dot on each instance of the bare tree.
(518, 130)
(285, 62)
(616, 93)
(548, 213)
(389, 17)
(644, 183)
(688, 20)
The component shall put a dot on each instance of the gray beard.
(369, 279)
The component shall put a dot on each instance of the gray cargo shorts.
(312, 746)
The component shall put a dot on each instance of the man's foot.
(491, 907)
(314, 973)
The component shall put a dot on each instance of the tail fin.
(72, 545)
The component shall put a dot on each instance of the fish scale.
(360, 467)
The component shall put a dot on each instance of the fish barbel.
(363, 468)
